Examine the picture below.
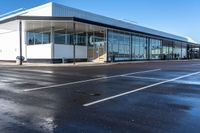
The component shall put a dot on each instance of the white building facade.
(55, 33)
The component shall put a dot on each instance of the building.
(55, 33)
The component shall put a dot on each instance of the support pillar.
(52, 43)
(20, 42)
(74, 43)
(148, 49)
(199, 52)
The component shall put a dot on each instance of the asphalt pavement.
(148, 97)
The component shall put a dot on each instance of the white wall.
(66, 51)
(9, 45)
(81, 52)
(42, 51)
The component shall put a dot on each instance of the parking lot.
(153, 97)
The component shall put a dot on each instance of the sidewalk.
(82, 64)
(25, 64)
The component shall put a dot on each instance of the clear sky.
(181, 17)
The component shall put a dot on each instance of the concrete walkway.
(25, 64)
(82, 64)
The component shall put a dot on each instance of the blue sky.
(181, 17)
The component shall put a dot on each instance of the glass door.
(96, 47)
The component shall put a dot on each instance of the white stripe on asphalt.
(154, 70)
(138, 77)
(32, 70)
(89, 80)
(139, 89)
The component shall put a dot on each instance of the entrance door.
(96, 52)
(99, 53)
(97, 47)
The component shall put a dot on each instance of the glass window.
(30, 38)
(155, 49)
(33, 38)
(119, 46)
(59, 37)
(177, 52)
(139, 46)
(38, 38)
(81, 39)
(184, 52)
(46, 38)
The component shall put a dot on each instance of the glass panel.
(81, 39)
(46, 38)
(39, 37)
(155, 49)
(177, 51)
(119, 46)
(30, 38)
(184, 52)
(139, 47)
(170, 55)
(59, 37)
(142, 48)
(95, 40)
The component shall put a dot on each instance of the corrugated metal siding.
(57, 10)
(64, 11)
(43, 11)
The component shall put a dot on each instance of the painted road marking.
(154, 70)
(31, 70)
(89, 80)
(139, 89)
(138, 77)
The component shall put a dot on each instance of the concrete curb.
(87, 64)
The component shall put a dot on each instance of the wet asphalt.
(57, 103)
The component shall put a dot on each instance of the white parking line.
(89, 80)
(154, 70)
(138, 77)
(34, 70)
(139, 89)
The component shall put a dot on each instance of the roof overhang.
(76, 19)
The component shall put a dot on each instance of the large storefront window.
(122, 45)
(81, 39)
(155, 49)
(96, 44)
(174, 50)
(33, 38)
(46, 37)
(119, 46)
(165, 50)
(30, 38)
(60, 37)
(184, 52)
(139, 47)
(177, 52)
